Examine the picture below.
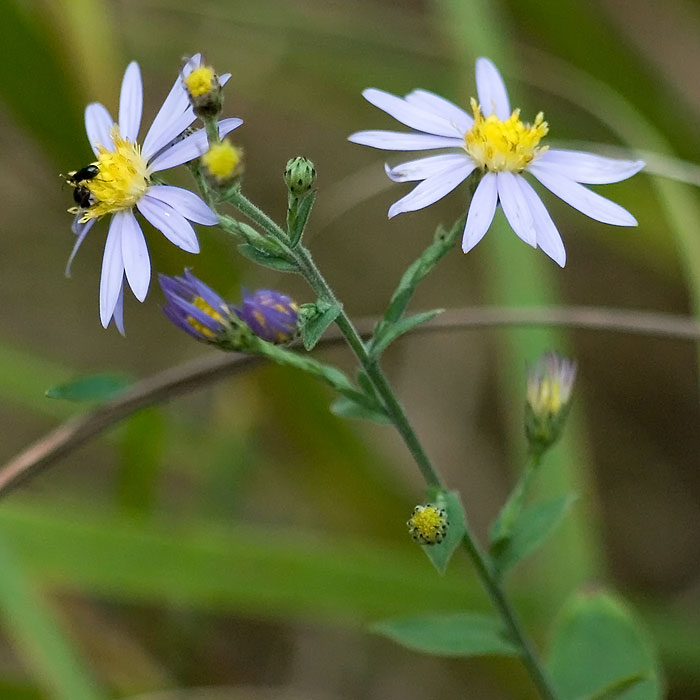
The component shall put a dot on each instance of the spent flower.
(196, 308)
(495, 145)
(271, 315)
(428, 524)
(121, 179)
(549, 386)
(203, 87)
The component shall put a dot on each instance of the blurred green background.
(238, 539)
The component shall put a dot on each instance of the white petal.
(411, 115)
(168, 133)
(481, 211)
(397, 141)
(516, 208)
(98, 124)
(588, 168)
(581, 198)
(171, 224)
(548, 238)
(422, 168)
(432, 189)
(191, 146)
(81, 230)
(491, 89)
(174, 105)
(137, 264)
(224, 78)
(112, 272)
(193, 62)
(131, 102)
(443, 108)
(119, 311)
(184, 202)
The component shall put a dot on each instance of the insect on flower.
(120, 182)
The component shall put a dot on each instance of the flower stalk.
(398, 416)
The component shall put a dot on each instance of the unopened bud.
(300, 175)
(549, 387)
(428, 524)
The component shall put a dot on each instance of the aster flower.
(498, 144)
(196, 308)
(124, 181)
(271, 315)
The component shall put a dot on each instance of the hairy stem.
(399, 418)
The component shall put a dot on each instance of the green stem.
(398, 415)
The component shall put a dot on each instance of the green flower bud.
(300, 175)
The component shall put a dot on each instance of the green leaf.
(441, 553)
(448, 634)
(388, 332)
(276, 263)
(297, 216)
(618, 687)
(37, 634)
(530, 529)
(315, 327)
(442, 244)
(96, 387)
(596, 644)
(347, 407)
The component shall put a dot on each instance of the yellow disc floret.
(497, 145)
(200, 81)
(428, 525)
(209, 310)
(223, 160)
(545, 397)
(122, 180)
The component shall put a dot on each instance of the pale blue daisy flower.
(494, 141)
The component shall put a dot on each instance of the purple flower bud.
(270, 315)
(195, 308)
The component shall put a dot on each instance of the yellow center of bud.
(200, 81)
(222, 160)
(545, 397)
(497, 145)
(209, 310)
(122, 180)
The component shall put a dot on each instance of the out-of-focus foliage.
(242, 536)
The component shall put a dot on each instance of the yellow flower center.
(222, 160)
(428, 524)
(545, 397)
(122, 180)
(497, 145)
(209, 310)
(200, 81)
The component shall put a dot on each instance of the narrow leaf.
(617, 688)
(596, 644)
(448, 634)
(431, 256)
(314, 328)
(297, 216)
(441, 553)
(346, 407)
(37, 634)
(271, 261)
(530, 529)
(96, 387)
(388, 332)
